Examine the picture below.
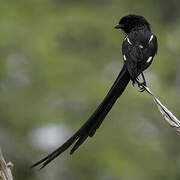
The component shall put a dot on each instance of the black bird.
(139, 48)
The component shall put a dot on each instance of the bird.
(138, 50)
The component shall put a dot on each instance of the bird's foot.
(141, 86)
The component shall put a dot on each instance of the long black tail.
(92, 124)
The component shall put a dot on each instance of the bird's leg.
(144, 80)
(134, 81)
(141, 84)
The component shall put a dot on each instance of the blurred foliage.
(58, 60)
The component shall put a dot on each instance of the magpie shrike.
(138, 49)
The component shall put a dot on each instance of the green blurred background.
(58, 58)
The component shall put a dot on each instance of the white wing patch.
(140, 46)
(124, 57)
(126, 38)
(151, 38)
(129, 41)
(149, 59)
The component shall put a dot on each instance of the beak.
(119, 26)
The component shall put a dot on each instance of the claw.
(141, 86)
(141, 89)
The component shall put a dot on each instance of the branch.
(5, 169)
(166, 113)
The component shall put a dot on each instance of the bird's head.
(132, 22)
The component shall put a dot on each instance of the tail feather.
(81, 139)
(95, 120)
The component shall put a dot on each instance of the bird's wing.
(138, 51)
